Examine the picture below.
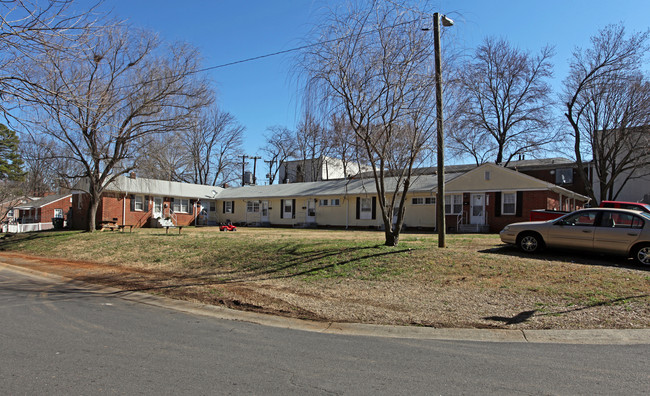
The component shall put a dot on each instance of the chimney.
(132, 175)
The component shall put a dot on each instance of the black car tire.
(530, 242)
(641, 254)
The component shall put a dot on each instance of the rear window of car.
(621, 220)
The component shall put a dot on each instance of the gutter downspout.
(123, 209)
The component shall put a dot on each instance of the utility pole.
(270, 175)
(440, 199)
(243, 169)
(254, 168)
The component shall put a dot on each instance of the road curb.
(590, 336)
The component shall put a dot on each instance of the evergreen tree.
(10, 161)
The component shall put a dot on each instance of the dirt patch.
(418, 303)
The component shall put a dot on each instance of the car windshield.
(645, 215)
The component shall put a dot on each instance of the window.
(335, 202)
(509, 205)
(324, 202)
(487, 175)
(253, 206)
(423, 201)
(227, 207)
(181, 205)
(564, 176)
(287, 209)
(10, 213)
(366, 209)
(139, 203)
(579, 219)
(621, 220)
(213, 206)
(58, 213)
(453, 204)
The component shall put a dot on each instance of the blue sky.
(262, 93)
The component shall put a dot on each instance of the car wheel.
(642, 254)
(530, 242)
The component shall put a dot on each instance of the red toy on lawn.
(227, 227)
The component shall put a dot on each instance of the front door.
(288, 209)
(311, 211)
(477, 209)
(264, 216)
(157, 212)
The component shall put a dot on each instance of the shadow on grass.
(519, 318)
(10, 240)
(526, 315)
(568, 256)
(304, 263)
(305, 258)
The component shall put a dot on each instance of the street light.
(440, 202)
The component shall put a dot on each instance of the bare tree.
(607, 101)
(40, 167)
(279, 147)
(312, 147)
(505, 103)
(344, 144)
(373, 63)
(215, 144)
(29, 28)
(98, 108)
(166, 158)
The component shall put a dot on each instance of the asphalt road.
(58, 338)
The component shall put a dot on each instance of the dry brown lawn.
(349, 276)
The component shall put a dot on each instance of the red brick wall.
(47, 211)
(77, 221)
(117, 207)
(578, 184)
(531, 200)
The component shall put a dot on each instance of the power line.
(300, 48)
(246, 60)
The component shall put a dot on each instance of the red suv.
(626, 205)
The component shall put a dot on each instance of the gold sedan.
(607, 230)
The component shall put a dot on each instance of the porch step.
(477, 228)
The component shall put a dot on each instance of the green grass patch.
(473, 262)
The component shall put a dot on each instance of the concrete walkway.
(599, 336)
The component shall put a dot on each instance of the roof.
(355, 186)
(39, 203)
(165, 188)
(522, 165)
(361, 186)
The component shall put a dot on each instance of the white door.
(264, 217)
(288, 209)
(311, 211)
(477, 209)
(157, 207)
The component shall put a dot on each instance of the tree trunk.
(392, 238)
(91, 225)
